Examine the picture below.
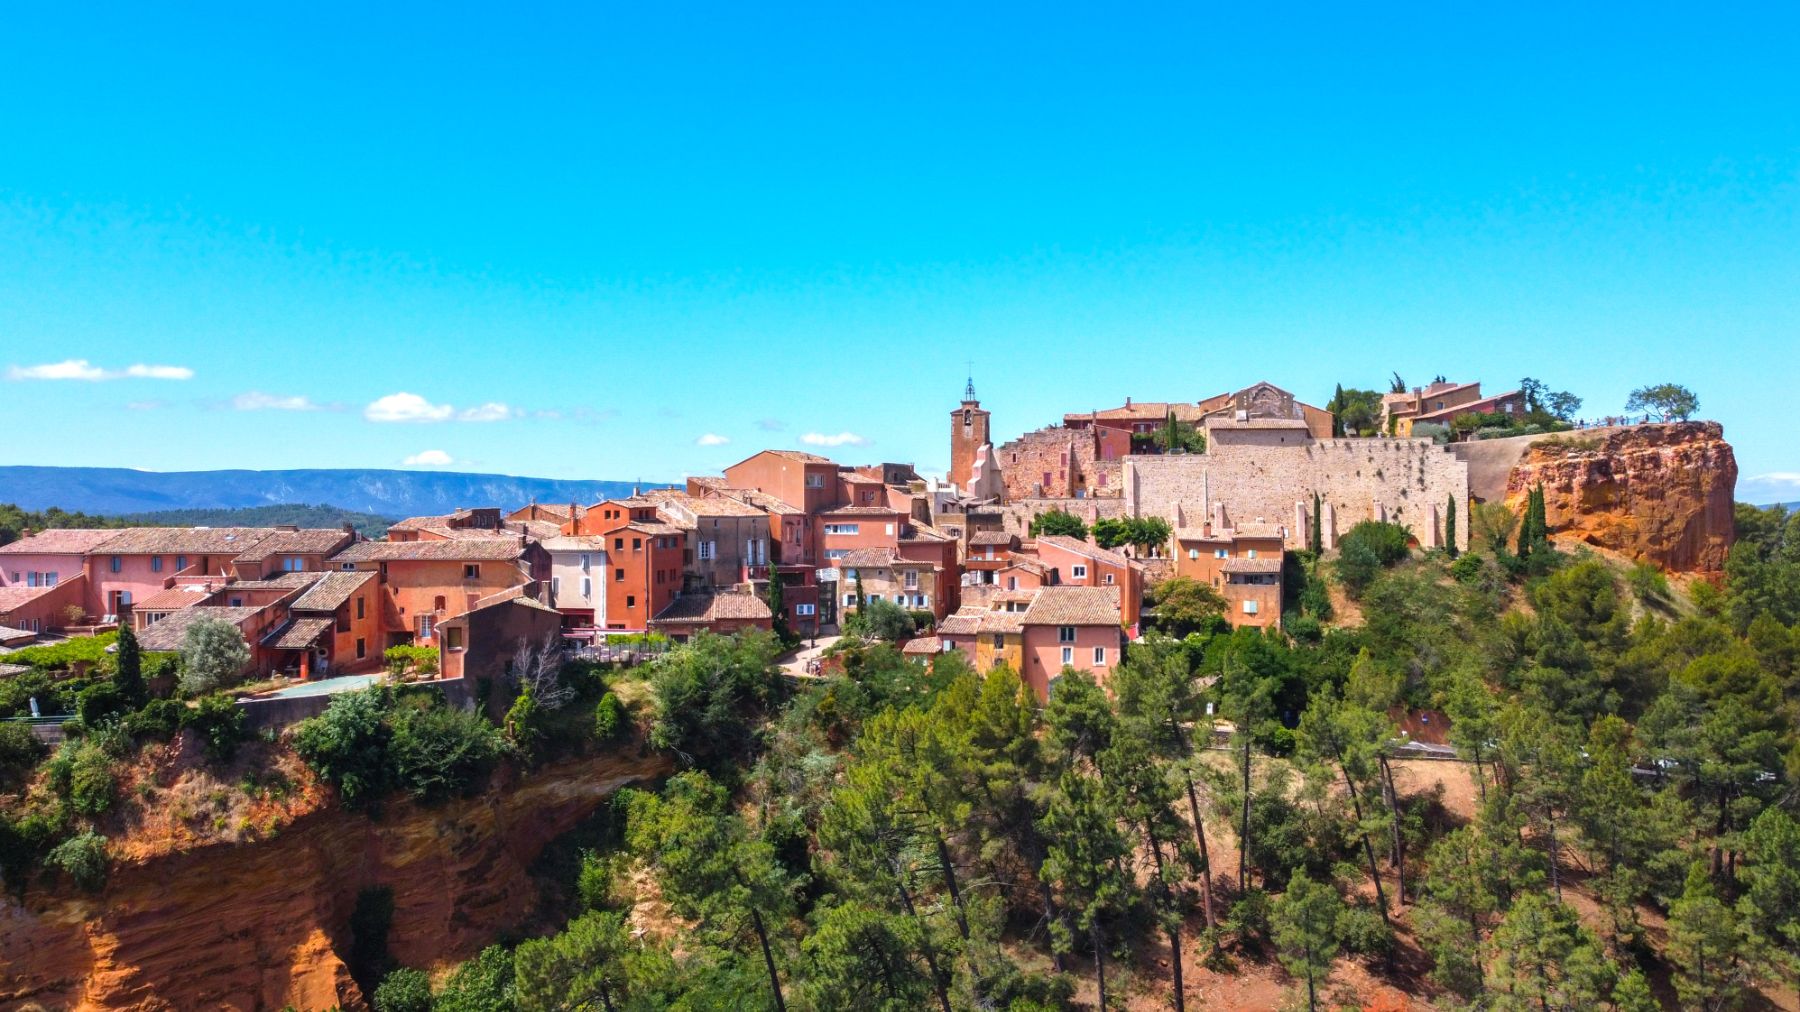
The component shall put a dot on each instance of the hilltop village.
(1231, 484)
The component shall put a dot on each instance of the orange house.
(424, 582)
(1071, 629)
(805, 480)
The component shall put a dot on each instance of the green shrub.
(882, 620)
(369, 743)
(157, 721)
(63, 656)
(404, 657)
(1368, 548)
(99, 703)
(609, 717)
(524, 723)
(213, 654)
(20, 752)
(1466, 568)
(53, 696)
(1648, 583)
(25, 839)
(92, 785)
(83, 858)
(404, 990)
(219, 722)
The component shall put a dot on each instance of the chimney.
(1128, 402)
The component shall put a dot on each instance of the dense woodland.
(16, 523)
(1230, 803)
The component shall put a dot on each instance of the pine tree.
(1306, 931)
(1545, 959)
(1707, 946)
(128, 670)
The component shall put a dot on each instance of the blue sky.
(637, 243)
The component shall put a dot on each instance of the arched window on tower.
(968, 418)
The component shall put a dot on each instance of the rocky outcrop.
(1655, 493)
(264, 925)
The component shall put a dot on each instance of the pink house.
(140, 561)
(49, 558)
(1084, 564)
(1070, 628)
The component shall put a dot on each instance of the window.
(874, 597)
(50, 579)
(124, 597)
(156, 563)
(637, 544)
(116, 563)
(359, 608)
(1068, 656)
(31, 580)
(1220, 553)
(849, 599)
(237, 602)
(706, 549)
(453, 639)
(1012, 583)
(585, 560)
(631, 600)
(619, 544)
(348, 567)
(437, 603)
(1099, 655)
(912, 579)
(1251, 554)
(471, 571)
(1193, 554)
(343, 623)
(618, 576)
(815, 481)
(555, 586)
(180, 563)
(362, 647)
(999, 641)
(889, 529)
(836, 553)
(1065, 634)
(293, 564)
(426, 625)
(804, 609)
(843, 528)
(1109, 579)
(1078, 572)
(1249, 607)
(587, 588)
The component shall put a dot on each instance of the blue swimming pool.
(323, 687)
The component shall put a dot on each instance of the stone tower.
(968, 434)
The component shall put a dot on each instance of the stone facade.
(1268, 475)
(1058, 462)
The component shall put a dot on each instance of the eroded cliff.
(263, 925)
(1655, 493)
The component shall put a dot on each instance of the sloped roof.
(706, 606)
(167, 634)
(15, 596)
(173, 599)
(861, 511)
(867, 558)
(966, 622)
(184, 540)
(312, 541)
(330, 591)
(1074, 606)
(61, 541)
(1251, 566)
(921, 646)
(489, 549)
(575, 543)
(9, 635)
(1085, 548)
(996, 538)
(296, 633)
(763, 501)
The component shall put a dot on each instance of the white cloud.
(86, 371)
(159, 372)
(1788, 478)
(256, 400)
(771, 424)
(492, 411)
(405, 407)
(712, 439)
(429, 458)
(840, 439)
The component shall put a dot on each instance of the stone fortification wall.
(1406, 481)
(1058, 462)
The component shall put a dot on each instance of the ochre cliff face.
(1655, 493)
(263, 925)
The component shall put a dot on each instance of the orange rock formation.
(1655, 493)
(264, 925)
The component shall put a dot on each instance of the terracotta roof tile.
(331, 590)
(1088, 549)
(921, 646)
(1251, 566)
(15, 596)
(184, 540)
(704, 606)
(167, 633)
(296, 633)
(173, 599)
(489, 549)
(1074, 606)
(62, 541)
(312, 541)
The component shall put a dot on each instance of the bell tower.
(968, 434)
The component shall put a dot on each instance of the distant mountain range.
(119, 490)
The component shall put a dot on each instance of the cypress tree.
(1450, 527)
(128, 667)
(1315, 540)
